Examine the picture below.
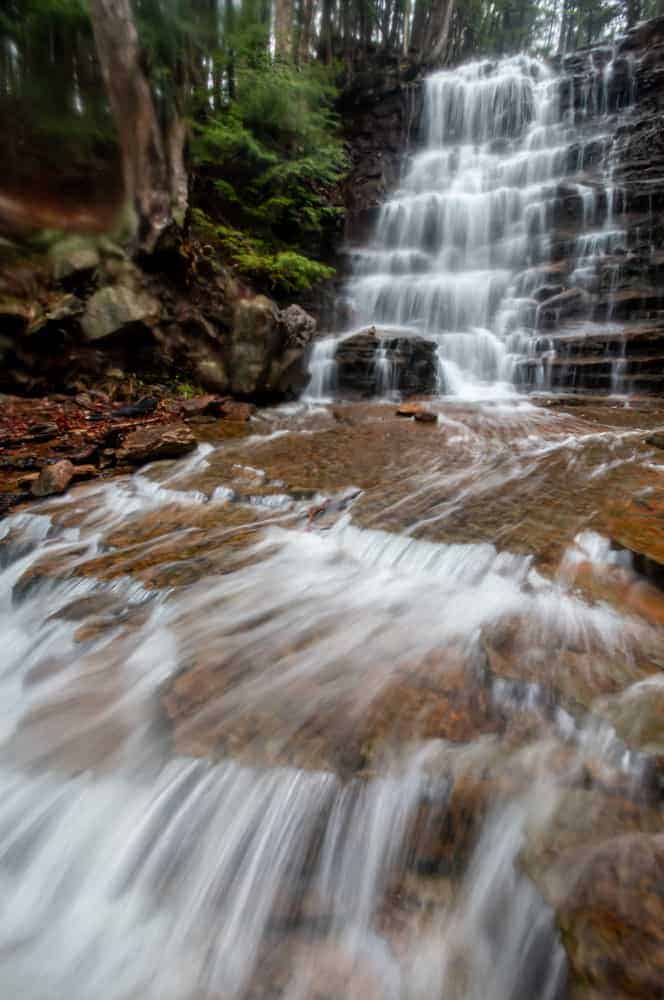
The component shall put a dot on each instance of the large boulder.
(254, 341)
(267, 346)
(287, 372)
(410, 361)
(116, 307)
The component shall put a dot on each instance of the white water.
(462, 246)
(281, 864)
(129, 869)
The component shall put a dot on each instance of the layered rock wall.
(599, 298)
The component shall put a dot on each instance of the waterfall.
(509, 202)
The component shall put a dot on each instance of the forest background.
(220, 119)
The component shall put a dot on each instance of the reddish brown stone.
(148, 444)
(53, 479)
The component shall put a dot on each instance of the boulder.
(298, 328)
(75, 256)
(201, 406)
(412, 362)
(210, 371)
(117, 306)
(255, 340)
(232, 409)
(417, 411)
(53, 479)
(148, 444)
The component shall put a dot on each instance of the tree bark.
(406, 26)
(154, 176)
(304, 40)
(283, 29)
(439, 30)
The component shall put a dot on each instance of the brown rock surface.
(53, 479)
(612, 919)
(149, 444)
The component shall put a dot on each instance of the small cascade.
(384, 372)
(322, 369)
(509, 245)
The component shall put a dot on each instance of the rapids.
(344, 705)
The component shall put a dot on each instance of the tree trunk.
(325, 38)
(283, 29)
(420, 18)
(154, 176)
(306, 21)
(406, 26)
(439, 30)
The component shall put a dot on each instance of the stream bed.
(342, 705)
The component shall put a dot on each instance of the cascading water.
(509, 202)
(348, 707)
(469, 214)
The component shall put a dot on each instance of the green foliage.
(272, 157)
(283, 272)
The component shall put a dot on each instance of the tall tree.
(152, 156)
(283, 28)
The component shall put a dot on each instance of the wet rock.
(26, 482)
(143, 408)
(547, 292)
(412, 362)
(86, 456)
(656, 440)
(572, 302)
(149, 444)
(612, 919)
(84, 472)
(233, 409)
(115, 307)
(298, 328)
(426, 417)
(408, 409)
(201, 406)
(637, 715)
(53, 479)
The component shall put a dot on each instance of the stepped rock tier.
(524, 240)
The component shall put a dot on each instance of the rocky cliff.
(381, 111)
(599, 296)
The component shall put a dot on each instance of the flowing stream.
(341, 705)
